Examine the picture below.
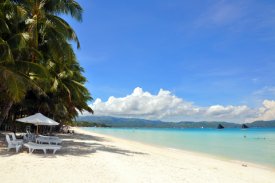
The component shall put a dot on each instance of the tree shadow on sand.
(74, 145)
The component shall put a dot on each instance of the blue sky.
(204, 52)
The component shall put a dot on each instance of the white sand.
(90, 157)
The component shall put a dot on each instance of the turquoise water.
(255, 145)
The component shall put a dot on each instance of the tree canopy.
(39, 70)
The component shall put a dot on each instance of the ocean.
(256, 145)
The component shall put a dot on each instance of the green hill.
(262, 124)
(142, 123)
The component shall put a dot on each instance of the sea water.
(255, 145)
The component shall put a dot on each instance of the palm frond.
(4, 28)
(19, 41)
(63, 28)
(5, 52)
(64, 7)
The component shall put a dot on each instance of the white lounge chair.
(16, 140)
(33, 146)
(51, 137)
(13, 144)
(48, 139)
(29, 137)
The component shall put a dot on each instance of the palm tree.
(48, 32)
(60, 56)
(69, 82)
(37, 54)
(15, 81)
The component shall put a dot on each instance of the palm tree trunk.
(4, 113)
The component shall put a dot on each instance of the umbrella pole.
(37, 130)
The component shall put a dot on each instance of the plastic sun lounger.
(33, 146)
(14, 139)
(52, 137)
(48, 140)
(29, 137)
(49, 137)
(13, 144)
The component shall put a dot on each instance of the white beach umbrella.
(38, 119)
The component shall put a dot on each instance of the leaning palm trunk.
(5, 110)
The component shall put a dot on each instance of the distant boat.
(220, 126)
(244, 126)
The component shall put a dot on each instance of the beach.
(91, 157)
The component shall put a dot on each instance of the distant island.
(108, 121)
(88, 124)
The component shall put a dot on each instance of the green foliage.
(38, 68)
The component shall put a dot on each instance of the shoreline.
(208, 155)
(217, 157)
(89, 157)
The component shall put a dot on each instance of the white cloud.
(223, 111)
(144, 104)
(168, 107)
(260, 95)
(267, 112)
(268, 91)
(221, 13)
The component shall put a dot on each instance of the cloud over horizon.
(168, 107)
(267, 111)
